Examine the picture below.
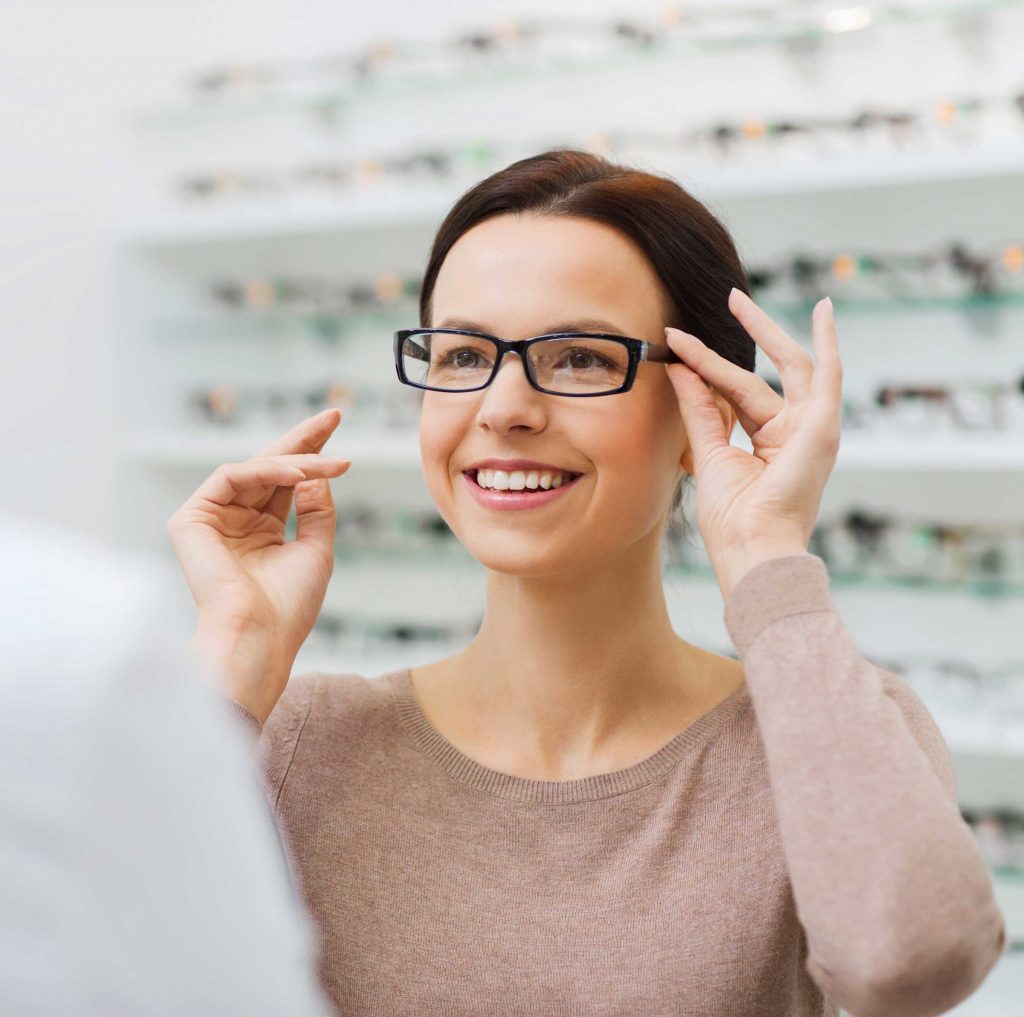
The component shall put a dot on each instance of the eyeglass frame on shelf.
(637, 349)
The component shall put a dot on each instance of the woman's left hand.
(751, 507)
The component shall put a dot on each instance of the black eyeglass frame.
(637, 349)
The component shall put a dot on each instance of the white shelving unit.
(386, 204)
(881, 198)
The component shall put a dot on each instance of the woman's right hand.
(258, 595)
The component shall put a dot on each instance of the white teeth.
(518, 480)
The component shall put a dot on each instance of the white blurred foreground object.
(140, 871)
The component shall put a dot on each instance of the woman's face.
(518, 276)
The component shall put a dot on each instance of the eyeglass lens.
(569, 366)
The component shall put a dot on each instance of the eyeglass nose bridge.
(518, 347)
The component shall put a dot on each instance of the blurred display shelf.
(800, 310)
(245, 324)
(986, 740)
(455, 556)
(1004, 874)
(951, 452)
(203, 449)
(1009, 887)
(799, 28)
(298, 215)
(303, 215)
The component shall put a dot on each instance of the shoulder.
(327, 712)
(344, 702)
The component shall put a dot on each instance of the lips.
(566, 473)
(516, 500)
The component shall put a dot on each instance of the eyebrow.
(581, 325)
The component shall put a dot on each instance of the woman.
(581, 812)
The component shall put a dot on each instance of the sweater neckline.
(555, 792)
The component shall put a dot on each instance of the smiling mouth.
(571, 479)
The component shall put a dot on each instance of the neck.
(573, 668)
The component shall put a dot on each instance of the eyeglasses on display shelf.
(536, 44)
(910, 551)
(322, 309)
(229, 405)
(1000, 837)
(857, 545)
(313, 295)
(949, 275)
(236, 407)
(580, 365)
(944, 274)
(969, 407)
(364, 531)
(860, 546)
(336, 635)
(959, 121)
(977, 708)
(867, 543)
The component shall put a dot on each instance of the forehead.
(521, 274)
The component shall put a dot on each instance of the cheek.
(441, 430)
(632, 458)
(643, 455)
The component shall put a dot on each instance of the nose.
(510, 400)
(519, 376)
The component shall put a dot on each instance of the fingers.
(705, 428)
(245, 483)
(794, 364)
(315, 517)
(828, 369)
(755, 400)
(309, 435)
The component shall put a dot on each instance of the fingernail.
(828, 300)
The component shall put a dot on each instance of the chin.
(530, 557)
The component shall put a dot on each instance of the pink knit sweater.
(796, 849)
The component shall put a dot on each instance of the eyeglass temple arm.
(658, 355)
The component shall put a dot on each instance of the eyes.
(581, 364)
(577, 358)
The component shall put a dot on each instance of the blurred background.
(213, 215)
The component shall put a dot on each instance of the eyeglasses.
(578, 364)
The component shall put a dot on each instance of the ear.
(728, 416)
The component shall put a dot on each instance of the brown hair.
(688, 247)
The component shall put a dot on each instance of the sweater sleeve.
(279, 737)
(894, 897)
